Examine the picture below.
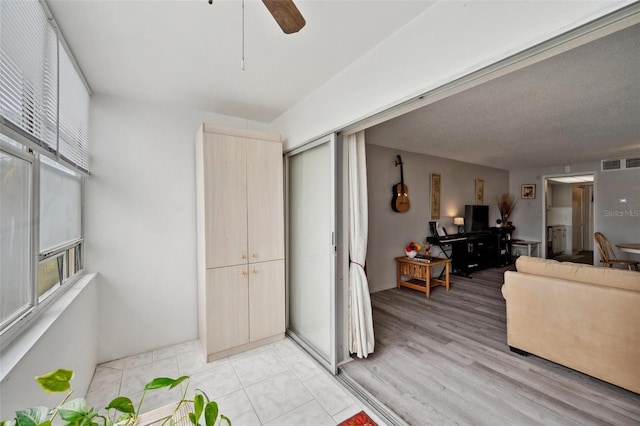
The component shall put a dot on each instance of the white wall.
(63, 337)
(390, 232)
(448, 41)
(141, 222)
(619, 222)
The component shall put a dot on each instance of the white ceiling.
(580, 106)
(188, 53)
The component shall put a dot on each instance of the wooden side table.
(418, 272)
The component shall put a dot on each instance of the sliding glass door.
(311, 249)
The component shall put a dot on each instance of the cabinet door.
(266, 299)
(265, 220)
(225, 184)
(227, 309)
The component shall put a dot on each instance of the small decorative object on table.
(412, 249)
(427, 248)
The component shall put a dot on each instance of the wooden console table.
(418, 272)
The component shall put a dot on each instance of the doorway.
(569, 217)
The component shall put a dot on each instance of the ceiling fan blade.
(286, 15)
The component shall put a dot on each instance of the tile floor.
(277, 384)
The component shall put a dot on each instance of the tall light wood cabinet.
(241, 299)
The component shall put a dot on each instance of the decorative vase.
(411, 253)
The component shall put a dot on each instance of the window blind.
(60, 197)
(41, 92)
(28, 70)
(74, 114)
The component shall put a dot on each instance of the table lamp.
(459, 221)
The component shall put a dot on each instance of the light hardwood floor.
(445, 360)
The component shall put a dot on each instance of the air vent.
(620, 164)
(632, 163)
(611, 165)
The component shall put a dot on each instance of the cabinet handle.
(244, 272)
(242, 256)
(254, 255)
(255, 271)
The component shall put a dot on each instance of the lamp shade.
(458, 221)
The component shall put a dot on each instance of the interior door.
(588, 209)
(578, 223)
(311, 249)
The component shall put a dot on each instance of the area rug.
(360, 419)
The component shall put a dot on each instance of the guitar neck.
(399, 160)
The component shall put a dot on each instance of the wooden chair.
(608, 256)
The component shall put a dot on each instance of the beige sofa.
(584, 317)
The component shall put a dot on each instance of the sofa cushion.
(608, 277)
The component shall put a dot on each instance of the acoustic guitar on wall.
(400, 202)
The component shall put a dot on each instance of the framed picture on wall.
(528, 191)
(479, 191)
(435, 196)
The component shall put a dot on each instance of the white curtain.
(361, 341)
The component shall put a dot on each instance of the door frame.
(543, 231)
(330, 364)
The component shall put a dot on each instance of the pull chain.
(242, 63)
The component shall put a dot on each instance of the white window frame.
(39, 303)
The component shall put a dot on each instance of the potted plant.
(200, 411)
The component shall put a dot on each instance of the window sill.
(22, 344)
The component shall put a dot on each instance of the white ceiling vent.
(608, 165)
(632, 163)
(620, 164)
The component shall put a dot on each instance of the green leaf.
(32, 416)
(124, 419)
(177, 381)
(200, 391)
(198, 406)
(122, 404)
(56, 381)
(225, 418)
(46, 423)
(88, 420)
(7, 423)
(74, 410)
(193, 419)
(158, 383)
(210, 413)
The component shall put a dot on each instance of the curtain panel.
(361, 337)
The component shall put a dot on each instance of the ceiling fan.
(286, 15)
